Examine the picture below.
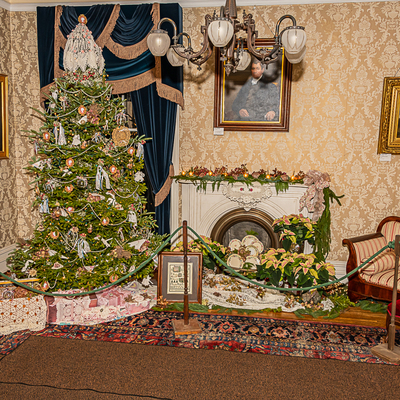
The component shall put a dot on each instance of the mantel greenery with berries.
(201, 176)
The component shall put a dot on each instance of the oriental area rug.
(226, 332)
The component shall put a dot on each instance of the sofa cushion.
(384, 278)
(383, 262)
(390, 230)
(367, 248)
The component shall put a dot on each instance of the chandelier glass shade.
(293, 40)
(220, 32)
(223, 31)
(158, 42)
(244, 60)
(174, 58)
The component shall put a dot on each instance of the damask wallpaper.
(334, 123)
(335, 110)
(18, 60)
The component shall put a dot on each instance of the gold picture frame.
(389, 132)
(227, 89)
(3, 116)
(170, 285)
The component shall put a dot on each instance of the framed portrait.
(389, 132)
(3, 116)
(171, 282)
(256, 99)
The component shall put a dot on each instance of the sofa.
(375, 279)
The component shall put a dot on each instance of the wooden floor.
(352, 316)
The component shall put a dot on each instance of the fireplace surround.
(209, 212)
(205, 210)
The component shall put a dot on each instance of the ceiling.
(27, 5)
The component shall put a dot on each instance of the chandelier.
(223, 31)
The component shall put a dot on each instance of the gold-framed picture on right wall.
(389, 131)
(3, 116)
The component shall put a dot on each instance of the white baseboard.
(4, 253)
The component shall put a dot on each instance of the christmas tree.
(88, 182)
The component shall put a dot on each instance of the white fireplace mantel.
(202, 209)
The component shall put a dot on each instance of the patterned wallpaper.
(335, 110)
(334, 124)
(18, 60)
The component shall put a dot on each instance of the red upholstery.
(389, 309)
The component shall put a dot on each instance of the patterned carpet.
(234, 333)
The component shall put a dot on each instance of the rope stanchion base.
(192, 328)
(382, 351)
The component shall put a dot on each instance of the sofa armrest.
(357, 252)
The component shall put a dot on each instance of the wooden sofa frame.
(358, 288)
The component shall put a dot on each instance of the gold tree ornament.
(82, 19)
(54, 235)
(105, 221)
(113, 169)
(121, 136)
(82, 110)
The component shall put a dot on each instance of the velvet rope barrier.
(227, 267)
(144, 263)
(231, 270)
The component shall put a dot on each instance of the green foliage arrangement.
(280, 267)
(323, 227)
(196, 246)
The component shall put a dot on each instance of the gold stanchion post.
(388, 351)
(185, 326)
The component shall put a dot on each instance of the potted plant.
(283, 268)
(295, 230)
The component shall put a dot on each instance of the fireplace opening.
(237, 223)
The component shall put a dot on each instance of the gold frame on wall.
(3, 116)
(389, 132)
(224, 85)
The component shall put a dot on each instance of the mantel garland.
(201, 176)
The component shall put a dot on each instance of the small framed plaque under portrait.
(171, 282)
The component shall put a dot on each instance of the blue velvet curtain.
(155, 116)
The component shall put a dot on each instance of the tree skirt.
(108, 305)
(227, 332)
(230, 292)
(22, 313)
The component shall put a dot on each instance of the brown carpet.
(52, 368)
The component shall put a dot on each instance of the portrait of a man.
(255, 99)
(259, 98)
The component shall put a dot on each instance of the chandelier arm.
(198, 58)
(278, 34)
(266, 58)
(168, 20)
(203, 58)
